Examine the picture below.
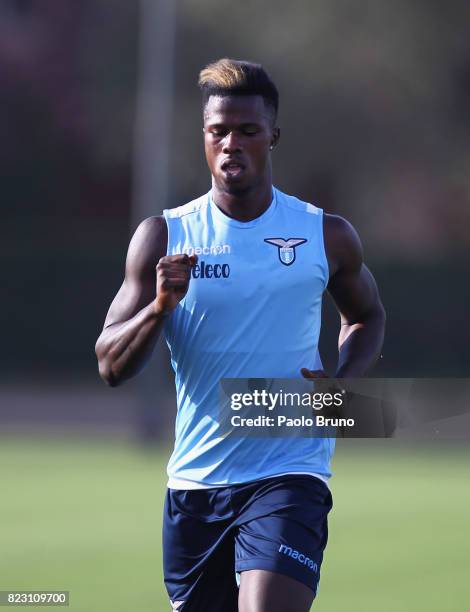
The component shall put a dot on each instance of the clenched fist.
(173, 274)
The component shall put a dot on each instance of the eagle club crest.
(286, 248)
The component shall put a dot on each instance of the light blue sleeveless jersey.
(252, 310)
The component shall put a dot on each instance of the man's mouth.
(232, 168)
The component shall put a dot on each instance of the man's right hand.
(173, 276)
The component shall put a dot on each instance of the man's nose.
(231, 143)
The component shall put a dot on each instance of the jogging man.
(235, 279)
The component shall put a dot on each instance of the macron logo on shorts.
(298, 556)
(176, 604)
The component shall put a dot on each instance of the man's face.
(238, 134)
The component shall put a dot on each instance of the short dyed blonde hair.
(227, 77)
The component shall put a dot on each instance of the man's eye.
(250, 131)
(218, 132)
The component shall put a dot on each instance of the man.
(240, 274)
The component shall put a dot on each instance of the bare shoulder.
(342, 244)
(148, 245)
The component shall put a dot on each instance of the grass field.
(86, 517)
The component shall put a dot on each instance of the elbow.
(376, 314)
(106, 374)
(383, 315)
(105, 367)
(374, 321)
(378, 320)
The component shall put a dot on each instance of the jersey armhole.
(168, 239)
(323, 249)
(166, 324)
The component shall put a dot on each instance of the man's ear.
(275, 138)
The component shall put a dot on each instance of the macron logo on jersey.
(214, 249)
(300, 557)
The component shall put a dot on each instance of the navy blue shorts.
(209, 535)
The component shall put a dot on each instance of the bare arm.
(152, 287)
(356, 297)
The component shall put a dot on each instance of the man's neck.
(244, 207)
